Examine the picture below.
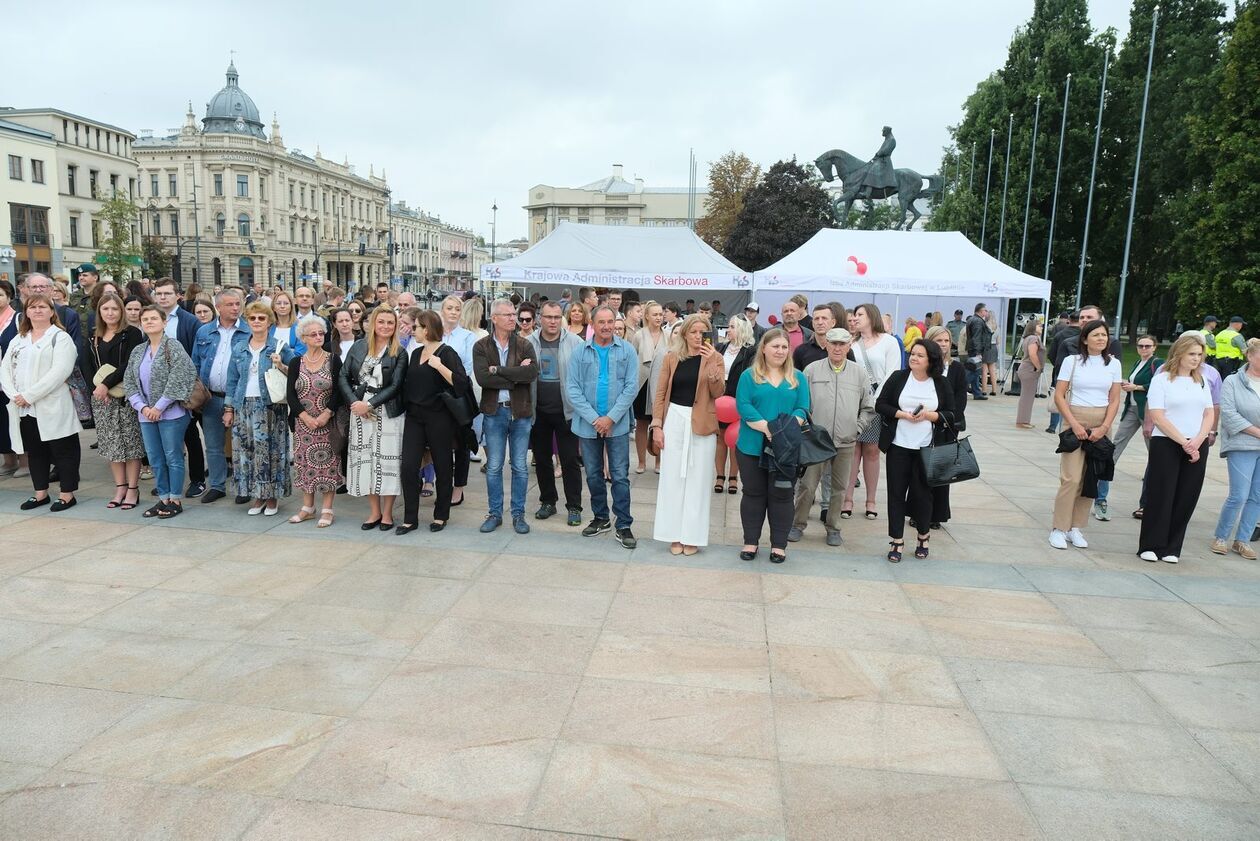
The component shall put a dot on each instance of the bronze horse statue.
(840, 164)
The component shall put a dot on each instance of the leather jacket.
(393, 374)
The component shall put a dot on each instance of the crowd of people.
(320, 393)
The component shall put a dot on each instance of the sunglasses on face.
(256, 318)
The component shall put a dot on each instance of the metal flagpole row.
(1010, 125)
(1093, 168)
(1137, 165)
(1032, 153)
(1058, 168)
(984, 219)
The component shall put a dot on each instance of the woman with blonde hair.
(684, 429)
(285, 327)
(578, 321)
(371, 382)
(912, 333)
(768, 389)
(650, 342)
(989, 357)
(737, 354)
(1179, 403)
(878, 353)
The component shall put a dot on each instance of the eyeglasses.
(256, 318)
(1145, 347)
(316, 333)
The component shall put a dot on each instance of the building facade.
(609, 201)
(60, 167)
(235, 206)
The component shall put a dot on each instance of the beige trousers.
(807, 484)
(1071, 510)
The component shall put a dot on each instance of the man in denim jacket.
(603, 379)
(212, 356)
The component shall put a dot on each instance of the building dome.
(231, 111)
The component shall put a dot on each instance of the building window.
(157, 226)
(15, 167)
(153, 185)
(220, 224)
(242, 186)
(71, 179)
(290, 194)
(96, 233)
(304, 233)
(292, 231)
(218, 184)
(172, 184)
(98, 140)
(303, 194)
(74, 231)
(76, 134)
(262, 187)
(325, 202)
(175, 225)
(113, 184)
(131, 188)
(93, 186)
(242, 225)
(65, 131)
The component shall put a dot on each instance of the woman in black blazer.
(737, 353)
(957, 379)
(917, 408)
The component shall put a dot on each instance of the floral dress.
(316, 465)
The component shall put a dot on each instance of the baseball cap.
(752, 305)
(1236, 318)
(839, 334)
(1208, 318)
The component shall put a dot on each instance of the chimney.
(616, 170)
(638, 185)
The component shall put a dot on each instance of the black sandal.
(922, 551)
(732, 485)
(171, 509)
(127, 506)
(894, 554)
(719, 483)
(115, 503)
(155, 511)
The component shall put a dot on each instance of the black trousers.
(462, 461)
(545, 426)
(196, 453)
(43, 455)
(1173, 484)
(434, 430)
(763, 501)
(908, 491)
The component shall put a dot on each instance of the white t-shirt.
(252, 388)
(915, 434)
(1091, 380)
(1183, 401)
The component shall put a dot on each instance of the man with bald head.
(406, 300)
(41, 284)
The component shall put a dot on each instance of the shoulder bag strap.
(872, 380)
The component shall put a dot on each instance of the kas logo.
(990, 287)
(742, 282)
(495, 273)
(773, 280)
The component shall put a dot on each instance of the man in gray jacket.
(841, 403)
(554, 347)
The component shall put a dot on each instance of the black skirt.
(642, 411)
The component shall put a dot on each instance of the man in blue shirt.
(211, 356)
(602, 383)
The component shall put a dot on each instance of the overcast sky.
(465, 104)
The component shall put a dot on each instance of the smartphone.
(917, 409)
(710, 337)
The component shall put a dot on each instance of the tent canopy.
(942, 264)
(624, 257)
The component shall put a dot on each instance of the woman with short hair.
(313, 399)
(42, 417)
(118, 436)
(132, 306)
(260, 427)
(160, 377)
(1240, 447)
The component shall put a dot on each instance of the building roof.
(6, 111)
(18, 128)
(231, 111)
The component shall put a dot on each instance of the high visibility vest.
(1209, 351)
(1225, 347)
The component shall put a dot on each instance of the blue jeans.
(216, 434)
(973, 381)
(503, 431)
(164, 443)
(1244, 496)
(618, 449)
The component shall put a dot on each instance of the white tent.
(674, 260)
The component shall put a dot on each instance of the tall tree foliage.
(784, 210)
(730, 178)
(1220, 239)
(117, 250)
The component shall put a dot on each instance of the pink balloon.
(725, 409)
(774, 319)
(732, 435)
(852, 259)
(861, 268)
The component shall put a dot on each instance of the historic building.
(60, 167)
(611, 200)
(236, 206)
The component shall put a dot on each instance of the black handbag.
(816, 444)
(463, 407)
(945, 464)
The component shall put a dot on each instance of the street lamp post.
(494, 239)
(196, 232)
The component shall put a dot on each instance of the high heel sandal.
(719, 483)
(732, 485)
(115, 503)
(922, 551)
(894, 554)
(127, 506)
(325, 518)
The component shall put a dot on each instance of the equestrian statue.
(876, 179)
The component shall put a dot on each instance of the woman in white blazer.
(42, 419)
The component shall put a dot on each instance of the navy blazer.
(186, 331)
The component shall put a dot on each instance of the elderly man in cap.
(841, 402)
(1231, 346)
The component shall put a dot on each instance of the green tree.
(1220, 240)
(117, 251)
(873, 216)
(784, 210)
(730, 178)
(157, 257)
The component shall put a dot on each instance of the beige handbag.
(103, 371)
(277, 385)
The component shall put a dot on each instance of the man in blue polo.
(603, 380)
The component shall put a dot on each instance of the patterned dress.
(316, 464)
(260, 446)
(375, 445)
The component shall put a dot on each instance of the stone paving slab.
(219, 676)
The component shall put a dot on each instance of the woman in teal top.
(769, 388)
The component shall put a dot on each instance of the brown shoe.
(1219, 547)
(1244, 549)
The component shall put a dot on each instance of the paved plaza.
(219, 676)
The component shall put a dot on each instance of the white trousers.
(685, 493)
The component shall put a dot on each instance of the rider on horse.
(877, 179)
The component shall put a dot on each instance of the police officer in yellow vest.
(1209, 338)
(1231, 347)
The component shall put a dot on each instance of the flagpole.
(1058, 168)
(1032, 152)
(1010, 125)
(984, 220)
(1137, 165)
(1089, 202)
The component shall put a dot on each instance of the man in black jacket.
(977, 337)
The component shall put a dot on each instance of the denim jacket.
(206, 346)
(583, 380)
(238, 370)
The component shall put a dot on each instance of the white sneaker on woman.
(1078, 539)
(1058, 539)
(1170, 559)
(1148, 555)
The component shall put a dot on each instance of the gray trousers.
(838, 473)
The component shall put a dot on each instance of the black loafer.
(401, 530)
(241, 500)
(747, 556)
(436, 526)
(212, 495)
(370, 526)
(34, 503)
(63, 504)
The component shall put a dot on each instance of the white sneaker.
(1170, 559)
(1148, 555)
(1078, 539)
(1058, 539)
